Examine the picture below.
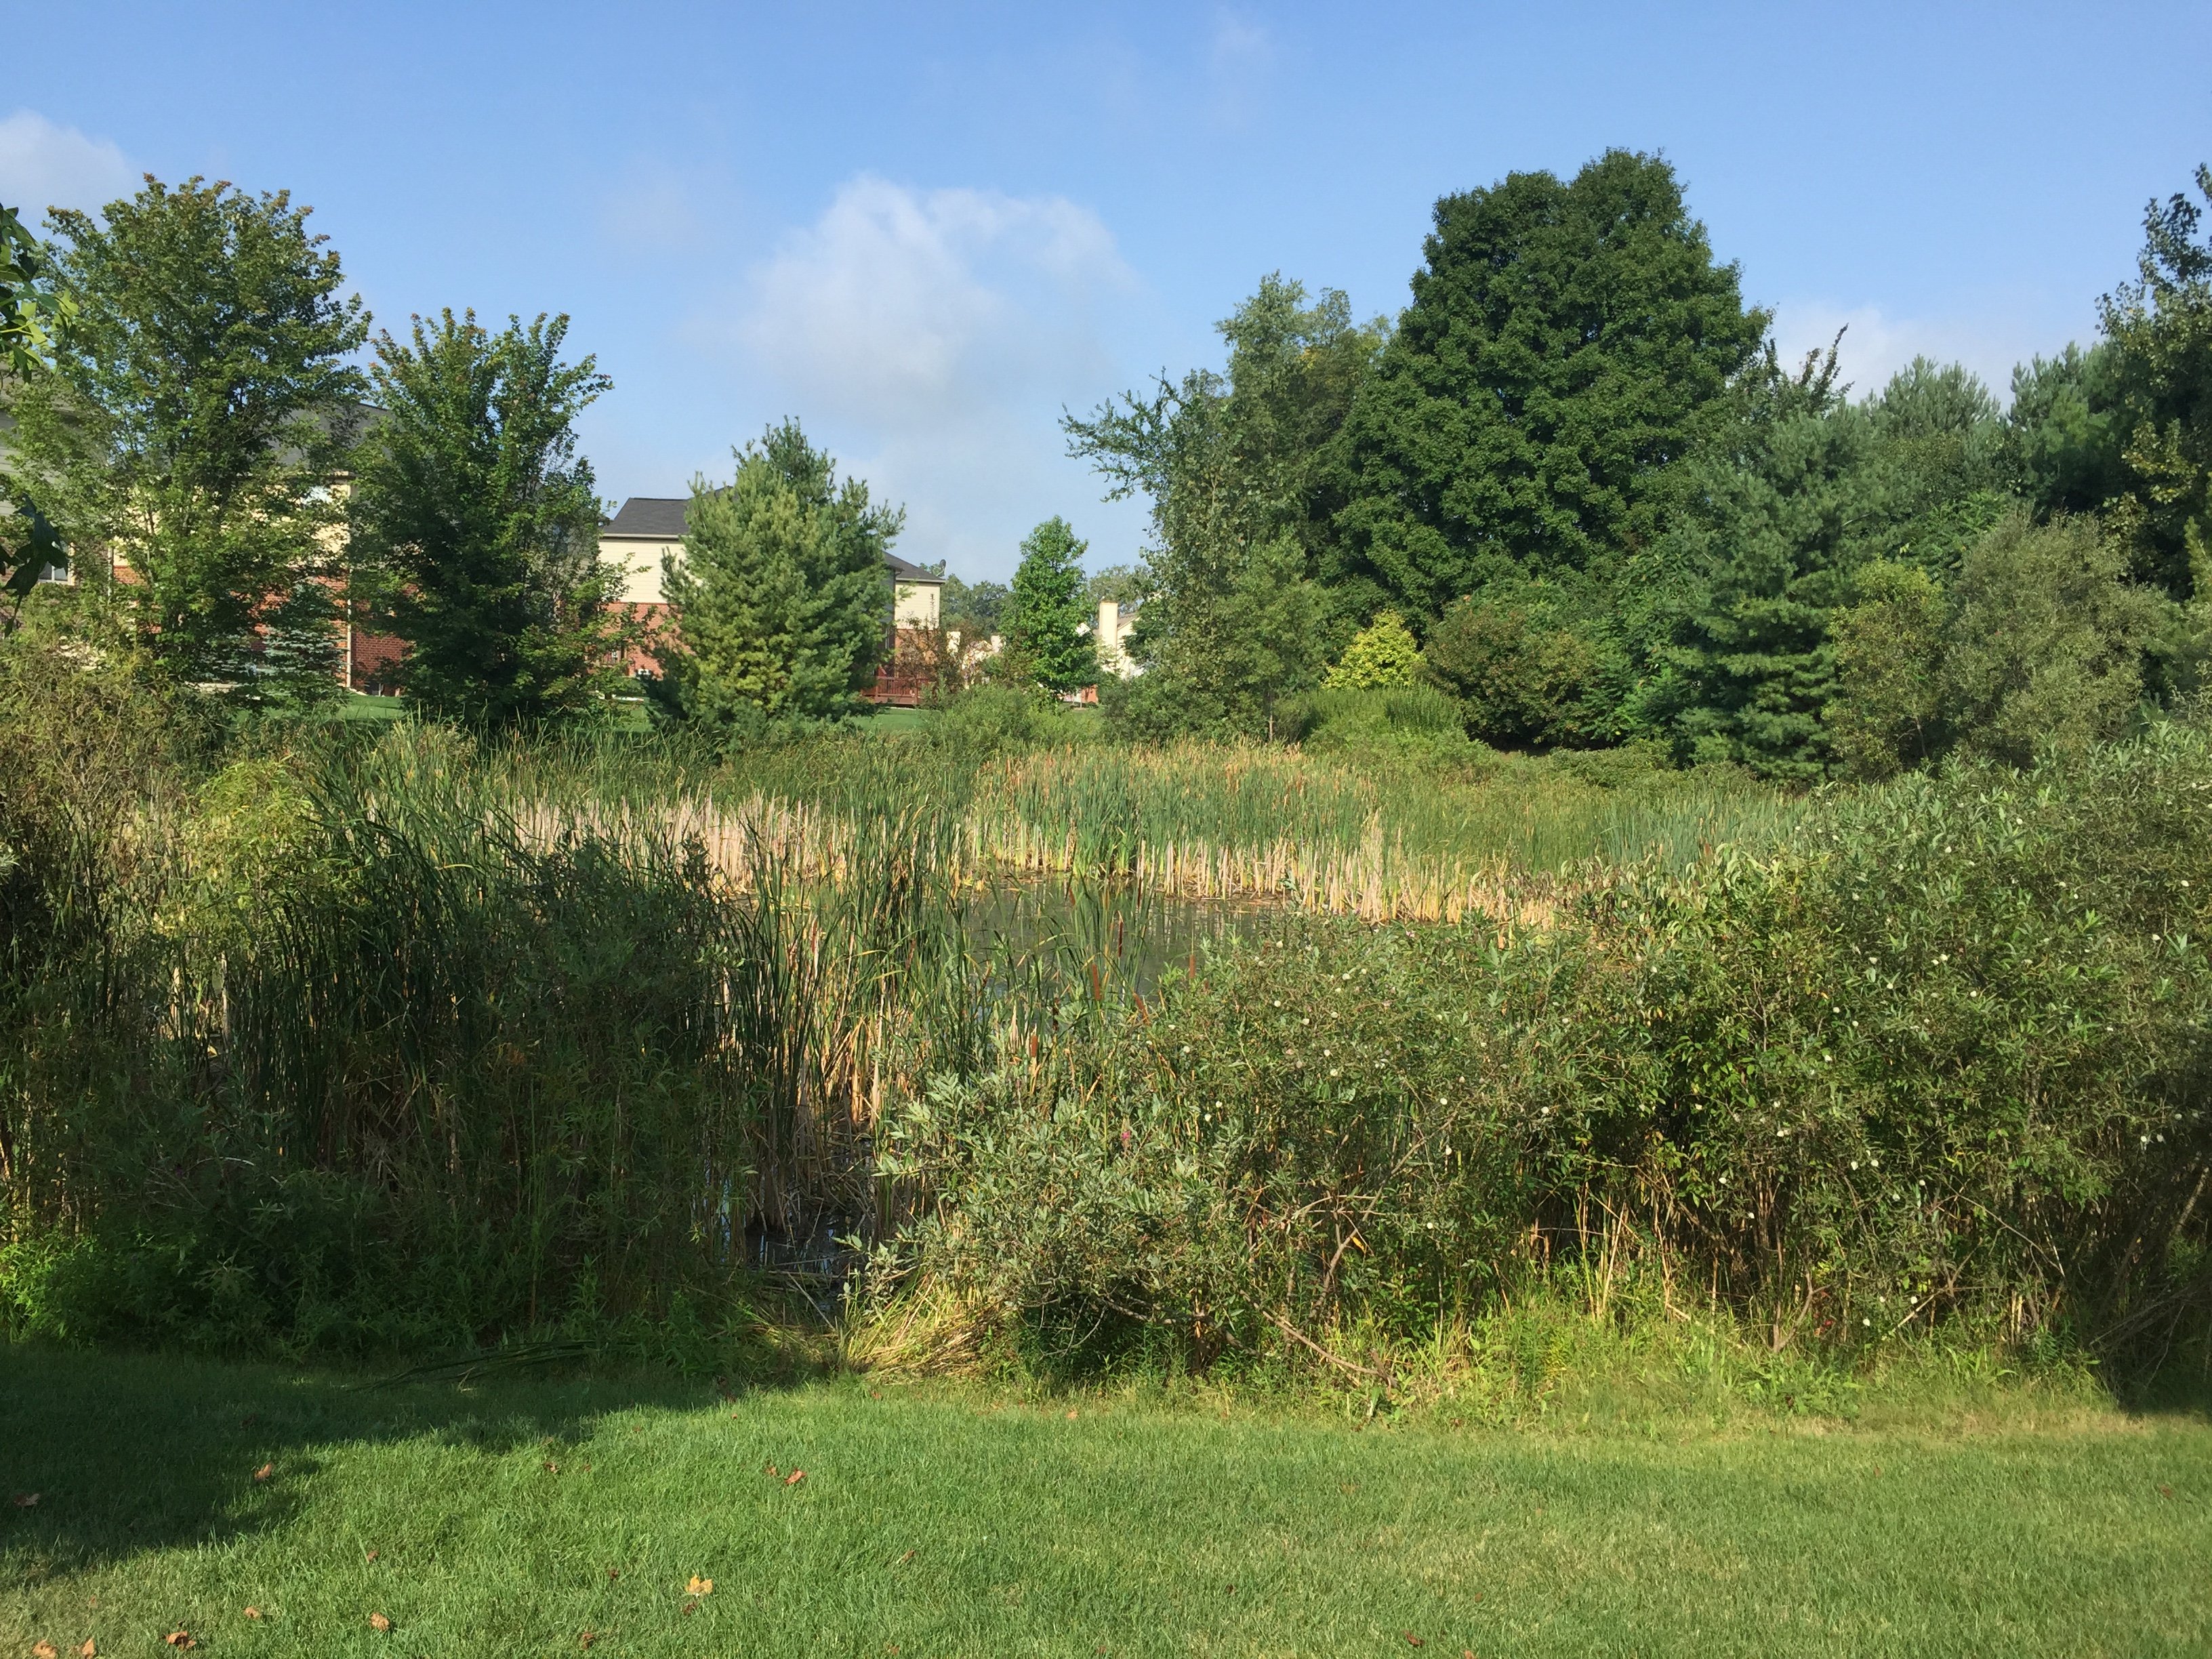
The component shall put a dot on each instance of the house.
(649, 527)
(1117, 622)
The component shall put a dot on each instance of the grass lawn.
(515, 1518)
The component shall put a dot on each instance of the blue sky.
(925, 230)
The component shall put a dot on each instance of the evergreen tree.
(2064, 437)
(476, 523)
(783, 596)
(200, 413)
(1046, 641)
(1798, 493)
(1566, 345)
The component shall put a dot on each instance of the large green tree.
(1236, 470)
(783, 595)
(1046, 641)
(2160, 329)
(476, 523)
(1800, 490)
(1567, 344)
(201, 409)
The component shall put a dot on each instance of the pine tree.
(783, 596)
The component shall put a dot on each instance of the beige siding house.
(651, 527)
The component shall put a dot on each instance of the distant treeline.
(1576, 470)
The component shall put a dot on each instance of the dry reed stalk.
(1377, 880)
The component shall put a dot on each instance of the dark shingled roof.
(660, 518)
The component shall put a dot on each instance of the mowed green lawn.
(518, 1518)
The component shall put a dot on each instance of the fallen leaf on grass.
(253, 1613)
(2165, 1490)
(1071, 1416)
(25, 1500)
(89, 1650)
(378, 1623)
(45, 1650)
(770, 1467)
(613, 1573)
(264, 1472)
(179, 1639)
(690, 1607)
(699, 1586)
(903, 1560)
(1412, 1639)
(368, 1555)
(587, 1638)
(795, 1477)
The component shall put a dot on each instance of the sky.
(926, 231)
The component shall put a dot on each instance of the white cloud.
(1238, 65)
(1876, 344)
(43, 165)
(937, 334)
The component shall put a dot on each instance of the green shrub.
(1939, 1059)
(1523, 678)
(1416, 719)
(1383, 655)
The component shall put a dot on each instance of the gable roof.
(660, 518)
(656, 518)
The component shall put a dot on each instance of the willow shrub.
(1941, 1057)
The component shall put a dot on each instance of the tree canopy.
(1566, 345)
(476, 523)
(1047, 641)
(1235, 468)
(201, 407)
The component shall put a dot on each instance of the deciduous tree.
(201, 410)
(476, 523)
(1235, 467)
(2160, 331)
(1047, 641)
